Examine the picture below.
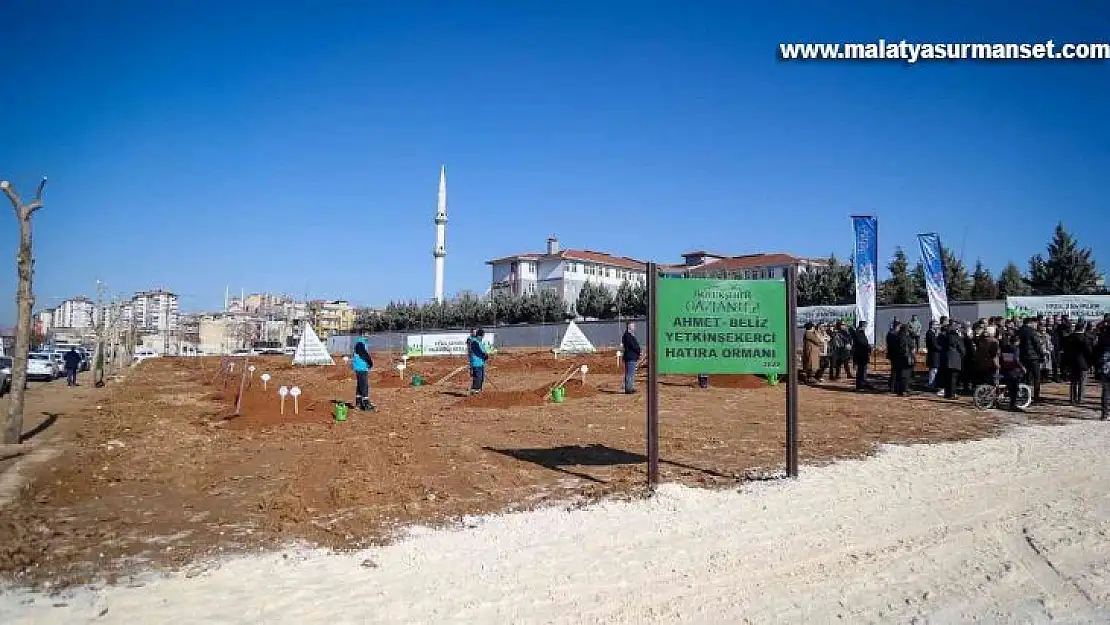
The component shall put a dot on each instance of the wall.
(501, 271)
(963, 311)
(603, 334)
(608, 333)
(550, 270)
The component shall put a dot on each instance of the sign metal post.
(710, 326)
(652, 378)
(791, 372)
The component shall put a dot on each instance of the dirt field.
(163, 474)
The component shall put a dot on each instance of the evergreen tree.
(827, 286)
(808, 286)
(594, 300)
(625, 299)
(465, 311)
(1011, 283)
(1068, 269)
(639, 300)
(956, 281)
(506, 308)
(552, 307)
(898, 288)
(983, 286)
(920, 290)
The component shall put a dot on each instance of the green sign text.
(721, 326)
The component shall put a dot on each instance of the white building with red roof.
(566, 270)
(761, 266)
(563, 270)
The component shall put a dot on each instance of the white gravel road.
(1014, 529)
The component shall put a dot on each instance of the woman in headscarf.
(361, 363)
(811, 352)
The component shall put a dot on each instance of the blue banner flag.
(864, 263)
(933, 261)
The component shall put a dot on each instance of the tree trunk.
(12, 451)
(24, 302)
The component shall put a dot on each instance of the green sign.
(721, 326)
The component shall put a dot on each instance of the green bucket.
(558, 394)
(340, 411)
(417, 380)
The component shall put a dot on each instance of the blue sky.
(295, 146)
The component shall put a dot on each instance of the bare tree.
(25, 301)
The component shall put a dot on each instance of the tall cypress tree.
(1068, 269)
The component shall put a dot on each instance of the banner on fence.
(453, 344)
(864, 263)
(827, 314)
(721, 326)
(1074, 306)
(933, 262)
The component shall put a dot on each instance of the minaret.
(440, 252)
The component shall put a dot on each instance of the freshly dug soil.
(160, 476)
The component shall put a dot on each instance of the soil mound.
(737, 381)
(388, 381)
(575, 389)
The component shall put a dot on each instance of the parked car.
(86, 358)
(144, 353)
(41, 367)
(60, 360)
(5, 375)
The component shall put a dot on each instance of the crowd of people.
(961, 355)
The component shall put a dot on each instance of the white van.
(144, 353)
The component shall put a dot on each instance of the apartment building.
(266, 304)
(77, 313)
(44, 321)
(152, 310)
(329, 317)
(563, 270)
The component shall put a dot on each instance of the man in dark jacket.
(73, 364)
(893, 356)
(1077, 360)
(861, 354)
(840, 350)
(1031, 355)
(967, 375)
(630, 355)
(904, 359)
(932, 353)
(953, 357)
(1059, 332)
(1102, 357)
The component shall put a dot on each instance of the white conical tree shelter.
(311, 350)
(575, 341)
